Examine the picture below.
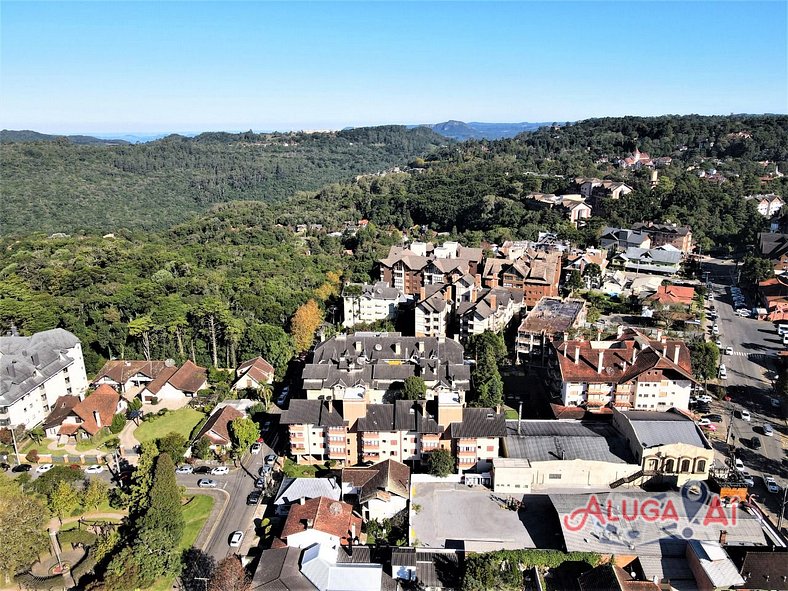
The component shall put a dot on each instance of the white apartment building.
(431, 315)
(365, 304)
(35, 371)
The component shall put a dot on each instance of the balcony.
(334, 454)
(465, 453)
(370, 445)
(297, 448)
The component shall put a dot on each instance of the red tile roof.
(327, 515)
(672, 295)
(623, 359)
(104, 401)
(121, 370)
(258, 369)
(161, 379)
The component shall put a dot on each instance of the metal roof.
(663, 428)
(293, 489)
(541, 441)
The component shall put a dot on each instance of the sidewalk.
(55, 525)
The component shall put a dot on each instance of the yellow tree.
(304, 324)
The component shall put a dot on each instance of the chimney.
(599, 362)
(664, 350)
(330, 407)
(577, 354)
(420, 346)
(97, 418)
(493, 302)
(301, 501)
(352, 533)
(310, 523)
(676, 355)
(634, 353)
(441, 339)
(723, 537)
(397, 348)
(519, 418)
(358, 345)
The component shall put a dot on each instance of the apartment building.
(366, 367)
(551, 319)
(365, 304)
(432, 312)
(630, 371)
(318, 432)
(767, 205)
(680, 237)
(410, 269)
(536, 275)
(37, 370)
(622, 238)
(490, 309)
(476, 438)
(592, 187)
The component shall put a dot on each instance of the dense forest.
(237, 272)
(60, 186)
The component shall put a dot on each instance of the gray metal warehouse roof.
(540, 441)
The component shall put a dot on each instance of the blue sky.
(68, 67)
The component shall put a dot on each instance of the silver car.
(206, 483)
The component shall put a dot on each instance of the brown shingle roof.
(104, 401)
(327, 515)
(120, 370)
(217, 428)
(609, 577)
(189, 377)
(61, 409)
(258, 369)
(161, 379)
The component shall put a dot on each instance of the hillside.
(461, 131)
(57, 187)
(25, 135)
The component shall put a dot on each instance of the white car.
(44, 468)
(739, 464)
(206, 483)
(729, 350)
(771, 485)
(236, 538)
(704, 421)
(219, 470)
(94, 469)
(767, 430)
(256, 447)
(745, 415)
(743, 312)
(715, 330)
(705, 398)
(723, 372)
(185, 469)
(748, 479)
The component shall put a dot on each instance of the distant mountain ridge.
(8, 136)
(461, 131)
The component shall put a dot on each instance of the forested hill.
(25, 135)
(63, 187)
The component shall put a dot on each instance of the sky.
(134, 67)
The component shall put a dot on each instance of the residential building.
(365, 304)
(410, 269)
(630, 371)
(370, 366)
(672, 295)
(636, 160)
(176, 383)
(292, 490)
(62, 408)
(774, 247)
(611, 577)
(89, 416)
(35, 372)
(434, 569)
(622, 239)
(318, 432)
(767, 205)
(217, 427)
(322, 521)
(679, 237)
(476, 438)
(535, 275)
(382, 489)
(551, 319)
(431, 313)
(403, 431)
(773, 294)
(129, 376)
(654, 260)
(253, 374)
(580, 260)
(760, 567)
(593, 187)
(669, 446)
(279, 569)
(490, 309)
(574, 207)
(711, 566)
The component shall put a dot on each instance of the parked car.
(44, 468)
(771, 485)
(715, 330)
(729, 350)
(21, 468)
(782, 329)
(704, 421)
(259, 483)
(748, 479)
(709, 427)
(718, 342)
(743, 312)
(270, 459)
(253, 497)
(768, 430)
(255, 449)
(94, 469)
(265, 470)
(705, 398)
(745, 415)
(202, 470)
(220, 470)
(185, 469)
(206, 483)
(774, 402)
(755, 443)
(236, 538)
(785, 339)
(739, 464)
(715, 418)
(723, 372)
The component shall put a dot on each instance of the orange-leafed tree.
(304, 324)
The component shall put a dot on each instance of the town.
(530, 414)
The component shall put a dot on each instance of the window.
(554, 476)
(668, 465)
(685, 465)
(700, 466)
(490, 448)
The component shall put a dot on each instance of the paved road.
(751, 372)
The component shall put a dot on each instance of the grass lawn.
(294, 470)
(180, 421)
(195, 513)
(95, 442)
